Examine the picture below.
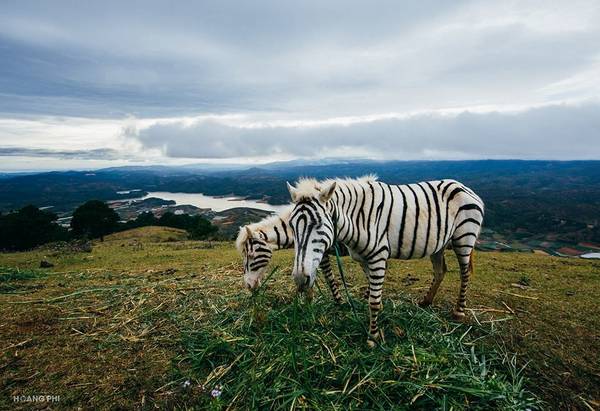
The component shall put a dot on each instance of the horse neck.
(340, 211)
(278, 235)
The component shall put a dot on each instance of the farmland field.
(149, 319)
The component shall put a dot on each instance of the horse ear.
(292, 191)
(327, 192)
(249, 232)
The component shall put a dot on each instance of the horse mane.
(310, 187)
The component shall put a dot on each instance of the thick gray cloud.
(558, 131)
(291, 69)
(312, 58)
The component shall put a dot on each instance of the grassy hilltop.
(150, 319)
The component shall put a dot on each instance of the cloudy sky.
(91, 84)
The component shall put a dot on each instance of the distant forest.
(535, 197)
(30, 227)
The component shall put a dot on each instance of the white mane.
(310, 187)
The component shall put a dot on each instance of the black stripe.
(468, 220)
(470, 207)
(389, 217)
(378, 213)
(446, 216)
(319, 241)
(284, 227)
(447, 187)
(263, 259)
(361, 212)
(354, 201)
(278, 237)
(402, 223)
(343, 212)
(454, 193)
(377, 251)
(428, 220)
(258, 264)
(368, 220)
(464, 235)
(437, 213)
(418, 210)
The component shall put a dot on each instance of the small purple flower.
(216, 392)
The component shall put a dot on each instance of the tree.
(197, 226)
(28, 228)
(202, 229)
(145, 219)
(94, 219)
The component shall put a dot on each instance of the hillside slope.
(129, 323)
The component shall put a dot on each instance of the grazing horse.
(256, 243)
(378, 221)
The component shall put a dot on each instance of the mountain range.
(536, 197)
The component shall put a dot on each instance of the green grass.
(279, 354)
(126, 326)
(12, 279)
(10, 274)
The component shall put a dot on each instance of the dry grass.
(118, 326)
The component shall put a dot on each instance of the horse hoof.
(424, 303)
(375, 338)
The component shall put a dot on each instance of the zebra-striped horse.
(256, 243)
(378, 221)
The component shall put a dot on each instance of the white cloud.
(550, 132)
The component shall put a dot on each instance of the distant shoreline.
(215, 203)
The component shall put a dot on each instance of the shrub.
(28, 228)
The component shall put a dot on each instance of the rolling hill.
(149, 319)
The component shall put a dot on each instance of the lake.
(214, 203)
